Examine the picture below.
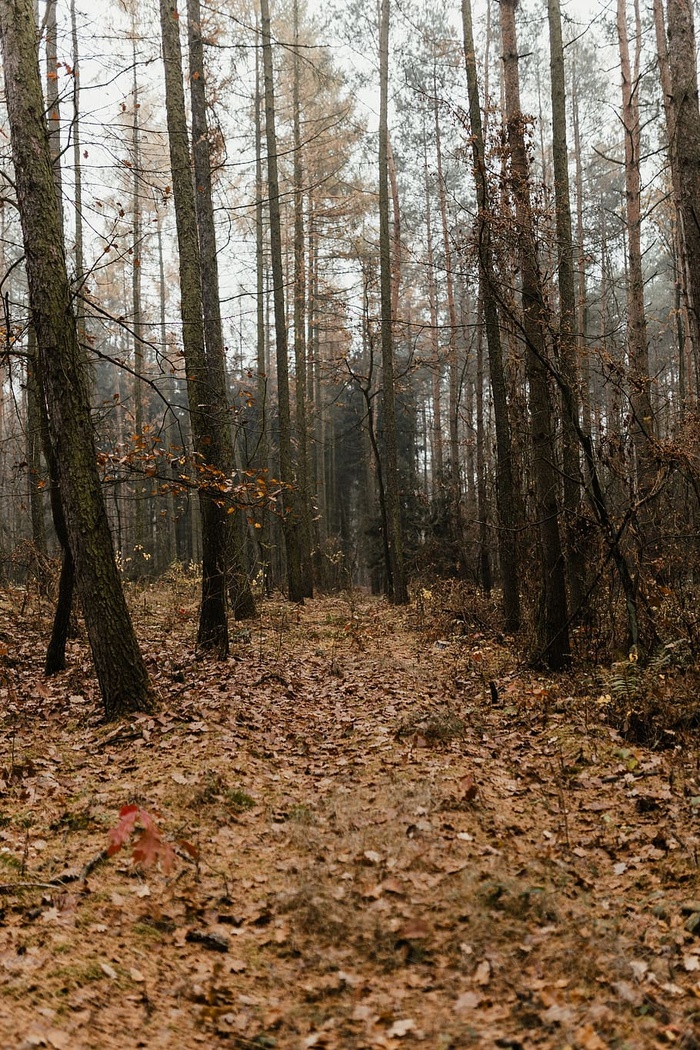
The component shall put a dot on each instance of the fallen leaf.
(401, 1028)
(482, 974)
(468, 1001)
(413, 930)
(392, 885)
(59, 1040)
(558, 1014)
(109, 971)
(586, 1038)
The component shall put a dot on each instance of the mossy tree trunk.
(120, 669)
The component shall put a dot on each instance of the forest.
(349, 504)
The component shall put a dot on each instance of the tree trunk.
(552, 619)
(484, 564)
(261, 459)
(453, 373)
(290, 520)
(300, 349)
(204, 416)
(53, 112)
(33, 446)
(637, 344)
(684, 143)
(242, 602)
(576, 567)
(77, 174)
(139, 533)
(437, 458)
(507, 497)
(119, 666)
(398, 590)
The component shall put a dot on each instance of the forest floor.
(374, 847)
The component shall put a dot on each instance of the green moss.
(238, 800)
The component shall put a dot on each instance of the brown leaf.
(413, 930)
(392, 885)
(469, 787)
(467, 1001)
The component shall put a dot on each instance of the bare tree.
(552, 618)
(394, 539)
(291, 522)
(506, 490)
(120, 668)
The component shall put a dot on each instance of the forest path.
(378, 851)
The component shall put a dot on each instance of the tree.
(119, 666)
(206, 415)
(300, 348)
(506, 490)
(684, 141)
(637, 340)
(242, 600)
(394, 539)
(552, 619)
(290, 520)
(571, 468)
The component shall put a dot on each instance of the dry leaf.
(59, 1040)
(372, 857)
(413, 930)
(109, 971)
(482, 974)
(468, 1001)
(392, 885)
(586, 1038)
(401, 1028)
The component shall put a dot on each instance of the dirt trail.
(377, 849)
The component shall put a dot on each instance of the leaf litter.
(347, 835)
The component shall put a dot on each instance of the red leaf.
(120, 835)
(149, 848)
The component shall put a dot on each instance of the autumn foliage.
(149, 846)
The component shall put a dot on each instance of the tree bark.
(507, 497)
(290, 520)
(637, 343)
(684, 145)
(576, 567)
(300, 349)
(242, 602)
(119, 666)
(437, 458)
(206, 428)
(552, 619)
(453, 372)
(398, 590)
